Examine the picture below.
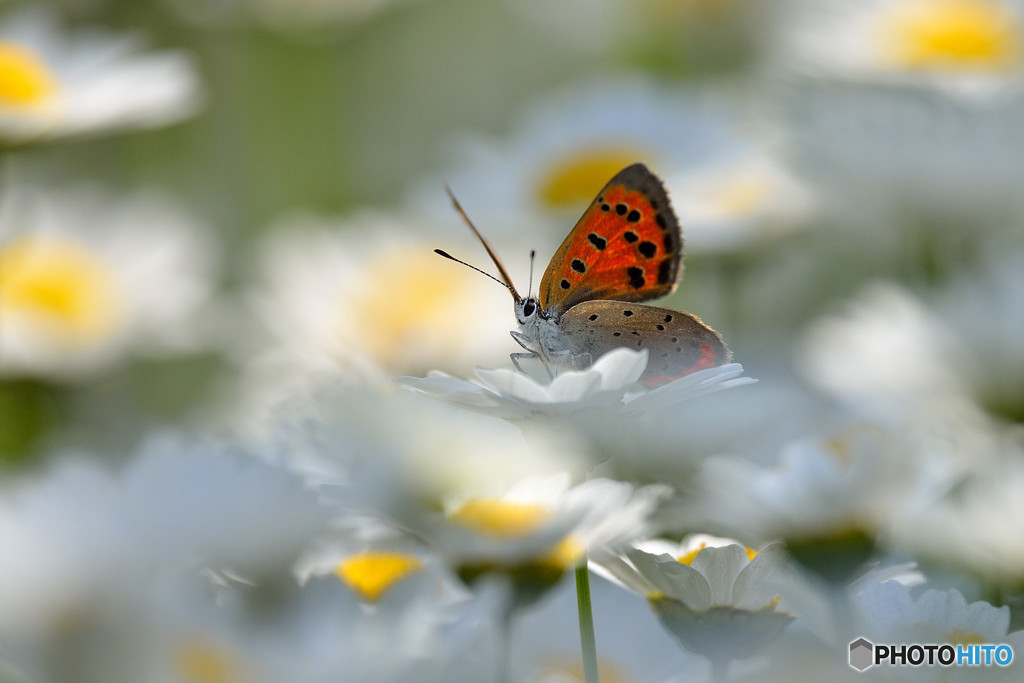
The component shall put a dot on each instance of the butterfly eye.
(529, 307)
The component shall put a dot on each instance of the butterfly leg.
(526, 342)
(516, 357)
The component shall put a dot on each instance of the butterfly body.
(626, 248)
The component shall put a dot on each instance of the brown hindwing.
(678, 343)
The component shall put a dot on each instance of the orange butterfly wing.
(627, 247)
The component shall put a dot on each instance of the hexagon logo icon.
(862, 654)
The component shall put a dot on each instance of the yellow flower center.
(198, 661)
(958, 34)
(958, 637)
(689, 557)
(24, 79)
(575, 179)
(738, 193)
(60, 286)
(371, 573)
(568, 553)
(499, 518)
(411, 303)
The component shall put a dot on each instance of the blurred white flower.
(951, 43)
(887, 349)
(56, 84)
(343, 439)
(738, 203)
(543, 520)
(86, 278)
(329, 633)
(984, 308)
(912, 368)
(842, 493)
(720, 602)
(96, 555)
(364, 293)
(905, 112)
(979, 526)
(609, 385)
(889, 612)
(570, 143)
(520, 541)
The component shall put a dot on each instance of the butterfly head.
(528, 309)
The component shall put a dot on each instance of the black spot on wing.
(648, 249)
(665, 276)
(636, 278)
(599, 242)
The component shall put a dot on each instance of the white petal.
(721, 567)
(685, 388)
(512, 384)
(620, 368)
(760, 581)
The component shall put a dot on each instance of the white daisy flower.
(609, 385)
(720, 602)
(738, 203)
(57, 84)
(365, 293)
(829, 499)
(904, 112)
(84, 542)
(86, 279)
(887, 348)
(943, 42)
(543, 520)
(980, 527)
(985, 310)
(901, 363)
(344, 441)
(569, 144)
(524, 538)
(895, 356)
(888, 611)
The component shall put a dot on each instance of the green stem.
(587, 641)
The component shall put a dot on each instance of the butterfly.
(626, 248)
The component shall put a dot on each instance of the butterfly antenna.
(490, 252)
(533, 254)
(442, 252)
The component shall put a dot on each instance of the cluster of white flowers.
(367, 490)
